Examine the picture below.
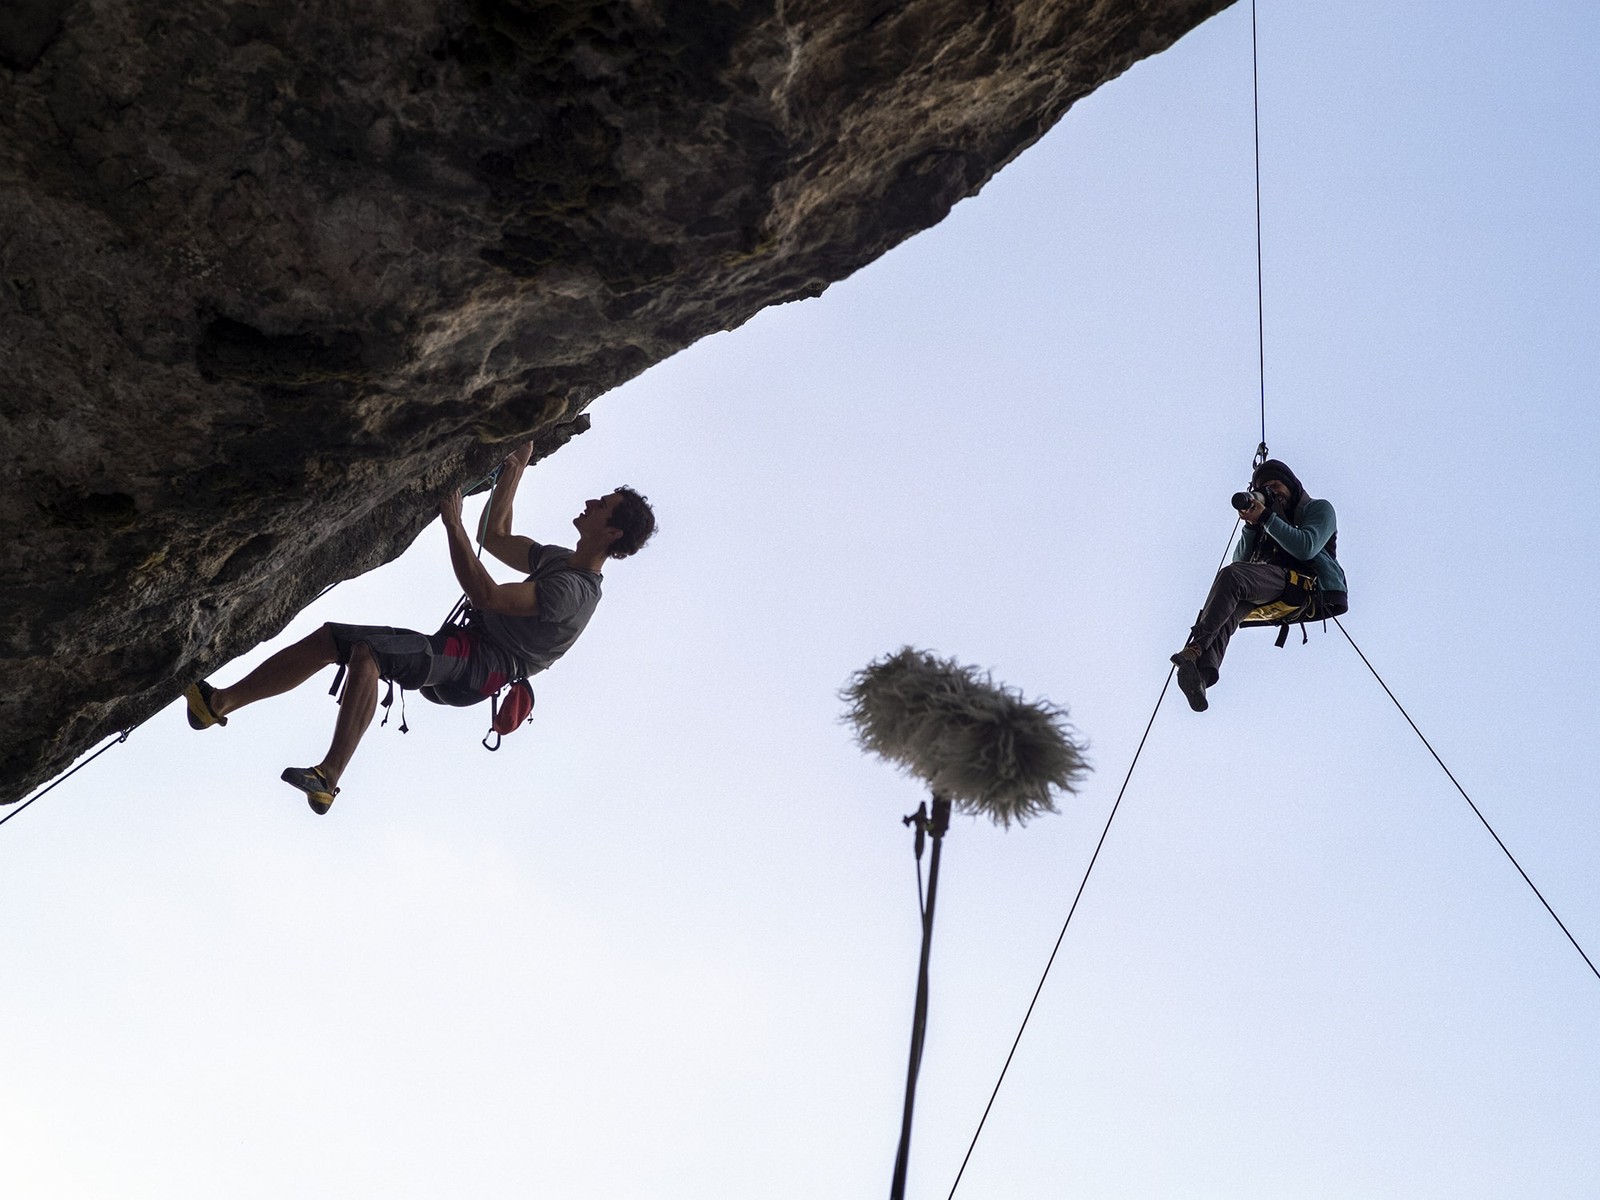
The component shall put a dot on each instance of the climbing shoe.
(200, 715)
(1187, 661)
(319, 792)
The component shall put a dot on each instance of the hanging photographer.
(1286, 558)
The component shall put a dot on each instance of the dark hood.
(1275, 469)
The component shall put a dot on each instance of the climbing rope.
(60, 779)
(1475, 810)
(123, 736)
(1261, 455)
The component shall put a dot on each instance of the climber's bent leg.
(284, 671)
(356, 706)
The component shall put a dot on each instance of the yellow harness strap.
(1279, 609)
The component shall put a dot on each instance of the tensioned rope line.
(59, 779)
(1060, 936)
(1083, 883)
(1475, 810)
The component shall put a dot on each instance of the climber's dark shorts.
(413, 660)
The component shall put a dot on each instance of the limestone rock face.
(275, 275)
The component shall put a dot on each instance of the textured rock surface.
(273, 276)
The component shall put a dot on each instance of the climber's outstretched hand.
(450, 509)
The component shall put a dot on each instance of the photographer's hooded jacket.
(1306, 541)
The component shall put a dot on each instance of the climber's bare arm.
(510, 548)
(511, 599)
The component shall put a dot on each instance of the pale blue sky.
(662, 945)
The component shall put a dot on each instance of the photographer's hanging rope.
(1261, 320)
(1262, 455)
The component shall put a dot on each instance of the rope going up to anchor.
(1261, 320)
(1262, 455)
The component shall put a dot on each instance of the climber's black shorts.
(411, 659)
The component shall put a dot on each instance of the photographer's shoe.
(1187, 661)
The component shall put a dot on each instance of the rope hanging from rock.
(1262, 454)
(1261, 321)
(62, 778)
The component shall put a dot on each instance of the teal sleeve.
(1247, 541)
(1306, 540)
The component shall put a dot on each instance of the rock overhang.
(275, 276)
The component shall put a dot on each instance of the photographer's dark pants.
(1238, 588)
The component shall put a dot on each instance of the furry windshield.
(980, 745)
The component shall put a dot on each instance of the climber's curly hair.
(634, 517)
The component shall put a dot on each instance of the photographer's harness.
(1302, 600)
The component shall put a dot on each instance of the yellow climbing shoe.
(200, 715)
(319, 792)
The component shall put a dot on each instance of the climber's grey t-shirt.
(567, 597)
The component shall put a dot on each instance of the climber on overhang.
(509, 630)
